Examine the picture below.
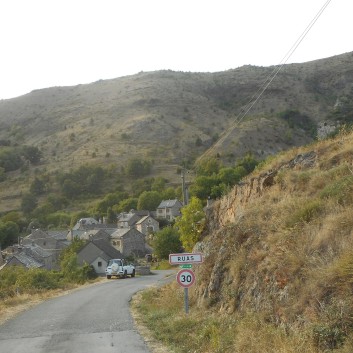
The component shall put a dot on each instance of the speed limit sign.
(186, 278)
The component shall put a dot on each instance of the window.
(99, 263)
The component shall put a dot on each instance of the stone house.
(85, 226)
(127, 220)
(51, 245)
(21, 259)
(46, 258)
(169, 209)
(147, 225)
(95, 234)
(129, 241)
(97, 253)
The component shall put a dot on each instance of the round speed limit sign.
(185, 278)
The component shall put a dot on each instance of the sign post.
(185, 277)
(185, 258)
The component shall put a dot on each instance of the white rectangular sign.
(185, 258)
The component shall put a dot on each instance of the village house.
(127, 220)
(95, 234)
(169, 209)
(97, 253)
(21, 259)
(129, 241)
(51, 245)
(88, 224)
(147, 225)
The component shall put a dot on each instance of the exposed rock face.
(225, 239)
(230, 208)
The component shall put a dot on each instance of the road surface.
(93, 319)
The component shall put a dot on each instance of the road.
(93, 319)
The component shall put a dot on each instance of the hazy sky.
(47, 43)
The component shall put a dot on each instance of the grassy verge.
(160, 316)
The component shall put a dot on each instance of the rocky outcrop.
(230, 208)
(223, 237)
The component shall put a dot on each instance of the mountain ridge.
(173, 118)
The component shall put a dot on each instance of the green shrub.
(306, 213)
(340, 190)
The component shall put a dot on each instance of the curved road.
(93, 319)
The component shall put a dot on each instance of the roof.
(85, 222)
(107, 248)
(144, 218)
(169, 203)
(91, 252)
(37, 234)
(122, 232)
(26, 260)
(35, 251)
(98, 248)
(57, 234)
(130, 218)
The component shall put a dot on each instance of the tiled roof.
(107, 248)
(27, 261)
(36, 250)
(168, 203)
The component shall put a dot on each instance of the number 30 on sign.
(186, 278)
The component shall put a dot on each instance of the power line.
(261, 90)
(279, 67)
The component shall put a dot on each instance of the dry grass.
(280, 279)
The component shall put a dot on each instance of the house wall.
(133, 243)
(144, 226)
(99, 265)
(168, 212)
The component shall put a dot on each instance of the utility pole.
(184, 188)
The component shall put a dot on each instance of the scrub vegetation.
(280, 277)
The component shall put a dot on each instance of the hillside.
(278, 268)
(173, 118)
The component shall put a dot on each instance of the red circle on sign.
(186, 278)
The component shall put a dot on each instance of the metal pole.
(183, 186)
(186, 300)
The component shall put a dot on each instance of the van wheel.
(125, 274)
(109, 277)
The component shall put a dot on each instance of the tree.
(126, 205)
(190, 223)
(31, 153)
(28, 203)
(37, 187)
(111, 216)
(9, 233)
(2, 174)
(138, 168)
(158, 184)
(202, 186)
(165, 242)
(149, 200)
(77, 216)
(208, 167)
(248, 162)
(169, 194)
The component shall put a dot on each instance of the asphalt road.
(93, 319)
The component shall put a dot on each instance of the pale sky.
(46, 43)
